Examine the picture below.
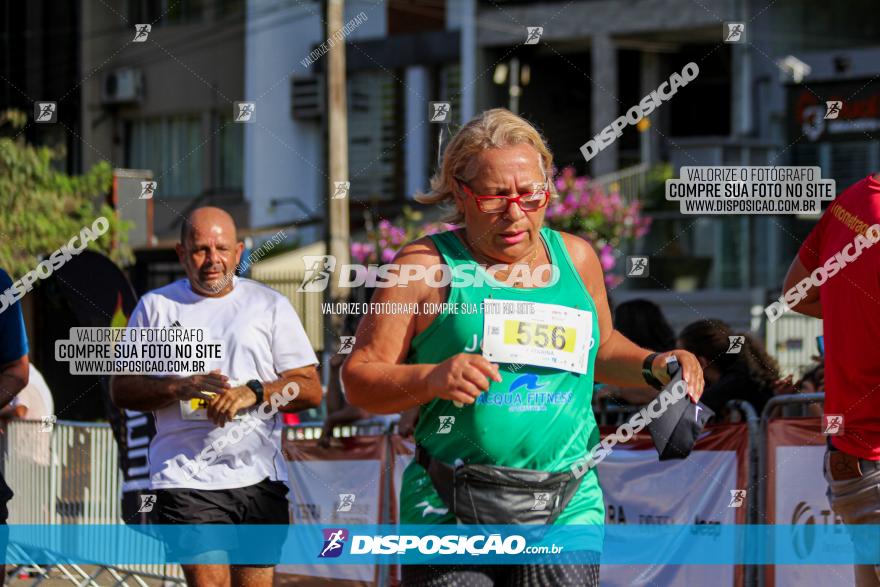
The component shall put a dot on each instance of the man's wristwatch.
(257, 388)
(648, 373)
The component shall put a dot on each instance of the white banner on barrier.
(401, 462)
(639, 489)
(316, 487)
(802, 504)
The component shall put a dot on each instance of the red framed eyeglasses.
(495, 204)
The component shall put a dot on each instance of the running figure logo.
(428, 509)
(737, 498)
(832, 109)
(638, 266)
(147, 189)
(245, 111)
(334, 540)
(318, 270)
(47, 422)
(440, 111)
(141, 32)
(341, 188)
(542, 500)
(346, 500)
(832, 424)
(148, 500)
(533, 34)
(346, 344)
(45, 112)
(446, 423)
(736, 344)
(735, 32)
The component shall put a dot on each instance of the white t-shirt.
(36, 397)
(261, 336)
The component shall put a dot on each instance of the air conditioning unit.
(307, 97)
(123, 86)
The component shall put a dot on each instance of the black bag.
(488, 494)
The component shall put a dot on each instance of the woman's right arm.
(375, 376)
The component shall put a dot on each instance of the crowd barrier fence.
(68, 474)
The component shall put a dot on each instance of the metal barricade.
(68, 473)
(769, 409)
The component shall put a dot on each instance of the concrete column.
(417, 129)
(741, 101)
(468, 23)
(605, 107)
(650, 79)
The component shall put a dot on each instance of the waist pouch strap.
(489, 494)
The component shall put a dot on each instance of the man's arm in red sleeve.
(803, 265)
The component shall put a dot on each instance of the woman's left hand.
(692, 372)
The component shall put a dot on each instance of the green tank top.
(536, 418)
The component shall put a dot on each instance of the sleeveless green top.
(536, 418)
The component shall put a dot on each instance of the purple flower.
(360, 252)
(388, 255)
(606, 258)
(397, 236)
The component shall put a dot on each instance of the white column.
(603, 55)
(416, 131)
(467, 9)
(650, 78)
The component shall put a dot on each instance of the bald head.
(204, 219)
(209, 250)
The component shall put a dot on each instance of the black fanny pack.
(488, 494)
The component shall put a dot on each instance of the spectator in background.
(732, 370)
(13, 378)
(34, 402)
(643, 322)
(341, 413)
(813, 381)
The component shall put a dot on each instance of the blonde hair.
(493, 129)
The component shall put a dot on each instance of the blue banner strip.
(712, 544)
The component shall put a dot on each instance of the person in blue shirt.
(13, 375)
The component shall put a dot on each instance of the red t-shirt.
(851, 317)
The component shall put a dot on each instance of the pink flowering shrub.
(387, 238)
(602, 219)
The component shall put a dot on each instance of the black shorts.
(582, 570)
(5, 496)
(134, 513)
(263, 503)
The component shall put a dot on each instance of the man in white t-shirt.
(207, 466)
